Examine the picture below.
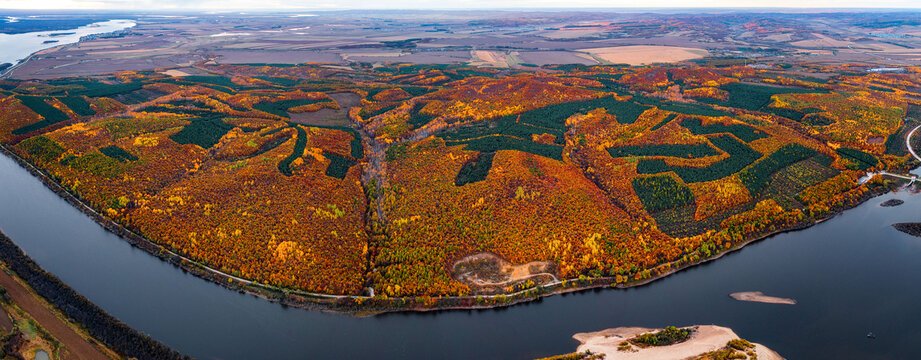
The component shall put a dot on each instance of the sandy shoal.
(706, 338)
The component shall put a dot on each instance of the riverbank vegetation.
(700, 342)
(667, 336)
(102, 326)
(607, 173)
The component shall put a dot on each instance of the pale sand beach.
(706, 338)
(757, 296)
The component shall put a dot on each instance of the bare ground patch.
(488, 273)
(556, 57)
(646, 54)
(329, 117)
(489, 58)
(175, 73)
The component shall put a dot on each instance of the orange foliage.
(392, 95)
(714, 197)
(259, 204)
(707, 92)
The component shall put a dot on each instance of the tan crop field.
(822, 42)
(646, 54)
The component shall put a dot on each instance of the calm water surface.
(851, 275)
(16, 47)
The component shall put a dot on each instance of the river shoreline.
(368, 306)
(62, 39)
(99, 324)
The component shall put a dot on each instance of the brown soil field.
(489, 58)
(573, 33)
(329, 117)
(779, 37)
(77, 346)
(175, 73)
(555, 57)
(5, 322)
(439, 57)
(279, 57)
(822, 42)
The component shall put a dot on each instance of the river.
(850, 275)
(18, 47)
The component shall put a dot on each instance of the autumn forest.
(428, 182)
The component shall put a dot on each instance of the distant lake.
(850, 275)
(16, 47)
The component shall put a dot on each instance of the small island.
(910, 228)
(892, 202)
(49, 41)
(757, 296)
(693, 342)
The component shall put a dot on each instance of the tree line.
(102, 326)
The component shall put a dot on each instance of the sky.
(454, 4)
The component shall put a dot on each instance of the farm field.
(488, 40)
(644, 55)
(429, 181)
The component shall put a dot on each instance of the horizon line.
(546, 8)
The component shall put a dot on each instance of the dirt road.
(77, 347)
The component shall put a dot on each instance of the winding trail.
(908, 143)
(886, 173)
(908, 177)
